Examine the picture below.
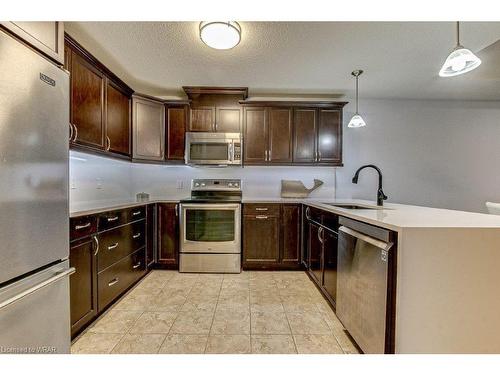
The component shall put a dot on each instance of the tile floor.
(252, 312)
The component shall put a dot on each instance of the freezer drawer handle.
(113, 282)
(114, 246)
(83, 226)
(135, 266)
(33, 289)
(114, 218)
(136, 236)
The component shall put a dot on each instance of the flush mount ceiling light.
(220, 34)
(356, 120)
(461, 60)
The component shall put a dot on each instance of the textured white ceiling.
(400, 59)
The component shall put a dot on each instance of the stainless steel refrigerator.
(34, 239)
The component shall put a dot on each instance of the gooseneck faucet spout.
(381, 197)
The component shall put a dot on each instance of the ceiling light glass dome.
(461, 60)
(220, 34)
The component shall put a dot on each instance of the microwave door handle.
(231, 151)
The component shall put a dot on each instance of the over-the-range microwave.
(213, 149)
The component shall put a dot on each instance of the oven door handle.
(363, 237)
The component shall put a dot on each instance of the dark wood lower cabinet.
(329, 284)
(315, 253)
(271, 236)
(168, 234)
(150, 234)
(83, 283)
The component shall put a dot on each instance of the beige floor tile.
(193, 323)
(168, 302)
(317, 344)
(116, 321)
(135, 302)
(177, 290)
(231, 322)
(228, 344)
(139, 344)
(96, 343)
(273, 344)
(307, 323)
(154, 322)
(269, 322)
(238, 300)
(265, 306)
(184, 344)
(199, 304)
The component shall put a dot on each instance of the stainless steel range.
(210, 227)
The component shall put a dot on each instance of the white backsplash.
(96, 181)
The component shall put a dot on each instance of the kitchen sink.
(351, 206)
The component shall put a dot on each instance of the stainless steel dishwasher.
(362, 282)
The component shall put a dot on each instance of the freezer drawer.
(35, 313)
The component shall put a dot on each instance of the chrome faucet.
(381, 197)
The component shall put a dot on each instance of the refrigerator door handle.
(33, 289)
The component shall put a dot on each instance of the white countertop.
(391, 216)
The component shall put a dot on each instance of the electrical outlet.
(180, 184)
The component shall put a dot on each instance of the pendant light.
(356, 120)
(461, 60)
(220, 34)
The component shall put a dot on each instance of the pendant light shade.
(461, 60)
(220, 35)
(356, 120)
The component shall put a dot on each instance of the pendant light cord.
(458, 33)
(357, 94)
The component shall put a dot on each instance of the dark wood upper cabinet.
(177, 117)
(87, 103)
(305, 123)
(117, 120)
(330, 136)
(228, 120)
(280, 135)
(202, 119)
(255, 135)
(168, 244)
(99, 104)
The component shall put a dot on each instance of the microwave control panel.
(237, 151)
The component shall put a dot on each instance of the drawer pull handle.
(114, 246)
(261, 217)
(135, 266)
(261, 209)
(136, 213)
(83, 226)
(136, 236)
(113, 282)
(114, 218)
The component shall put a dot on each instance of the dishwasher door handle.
(363, 237)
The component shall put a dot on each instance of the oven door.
(210, 228)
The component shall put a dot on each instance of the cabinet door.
(148, 124)
(46, 36)
(305, 124)
(87, 99)
(176, 132)
(228, 120)
(280, 135)
(330, 264)
(290, 219)
(315, 249)
(83, 283)
(168, 245)
(261, 243)
(202, 119)
(330, 136)
(150, 233)
(117, 120)
(255, 137)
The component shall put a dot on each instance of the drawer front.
(269, 209)
(112, 219)
(314, 214)
(136, 213)
(116, 279)
(330, 220)
(82, 226)
(117, 243)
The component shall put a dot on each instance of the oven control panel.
(220, 184)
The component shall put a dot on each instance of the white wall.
(432, 153)
(96, 181)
